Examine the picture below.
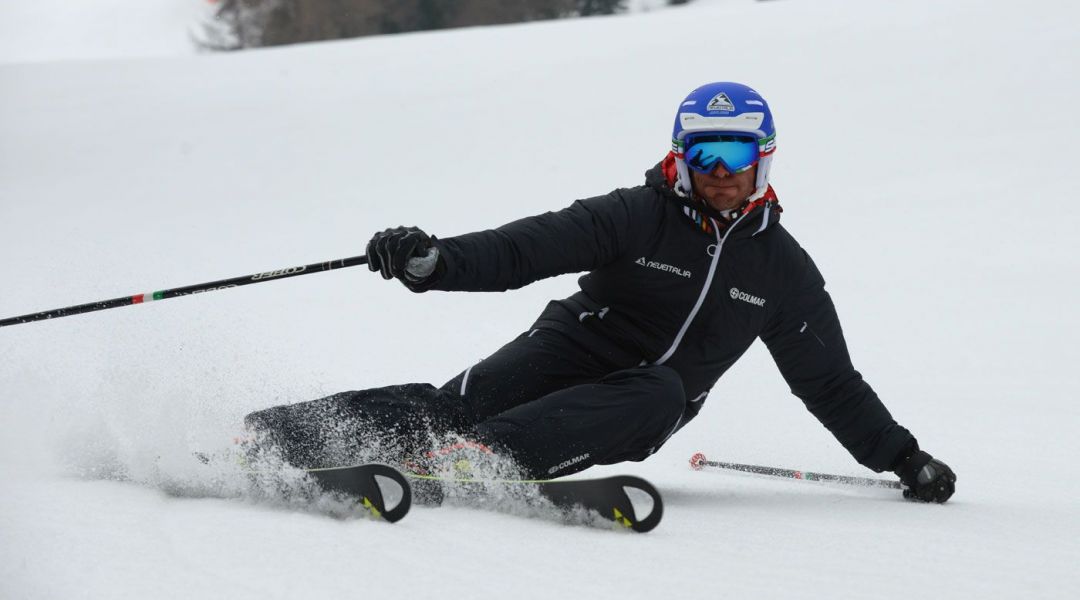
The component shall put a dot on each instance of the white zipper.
(764, 219)
(705, 289)
(465, 381)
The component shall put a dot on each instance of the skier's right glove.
(925, 478)
(407, 254)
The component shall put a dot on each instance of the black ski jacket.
(674, 294)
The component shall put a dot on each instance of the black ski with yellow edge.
(381, 489)
(610, 496)
(629, 502)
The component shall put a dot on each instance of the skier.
(683, 274)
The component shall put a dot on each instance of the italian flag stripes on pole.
(150, 297)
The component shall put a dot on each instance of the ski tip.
(697, 461)
(393, 493)
(645, 517)
(381, 489)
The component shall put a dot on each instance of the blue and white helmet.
(729, 107)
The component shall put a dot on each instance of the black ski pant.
(556, 404)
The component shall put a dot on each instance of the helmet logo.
(721, 102)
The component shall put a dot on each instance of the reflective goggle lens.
(736, 153)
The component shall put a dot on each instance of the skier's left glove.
(407, 254)
(925, 478)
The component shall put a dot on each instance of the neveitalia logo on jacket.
(738, 295)
(652, 264)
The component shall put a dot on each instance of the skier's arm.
(807, 343)
(582, 237)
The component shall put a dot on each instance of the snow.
(49, 30)
(902, 130)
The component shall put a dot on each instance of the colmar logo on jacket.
(737, 294)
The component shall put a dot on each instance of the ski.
(627, 501)
(611, 497)
(380, 489)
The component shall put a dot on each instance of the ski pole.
(198, 288)
(699, 462)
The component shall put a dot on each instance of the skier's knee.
(670, 391)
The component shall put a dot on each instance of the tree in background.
(237, 24)
(254, 23)
(600, 7)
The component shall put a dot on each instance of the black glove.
(925, 478)
(390, 252)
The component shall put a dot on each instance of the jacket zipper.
(705, 289)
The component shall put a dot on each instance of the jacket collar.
(662, 178)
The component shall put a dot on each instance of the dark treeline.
(254, 23)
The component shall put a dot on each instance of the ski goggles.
(735, 152)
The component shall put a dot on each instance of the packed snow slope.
(927, 160)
